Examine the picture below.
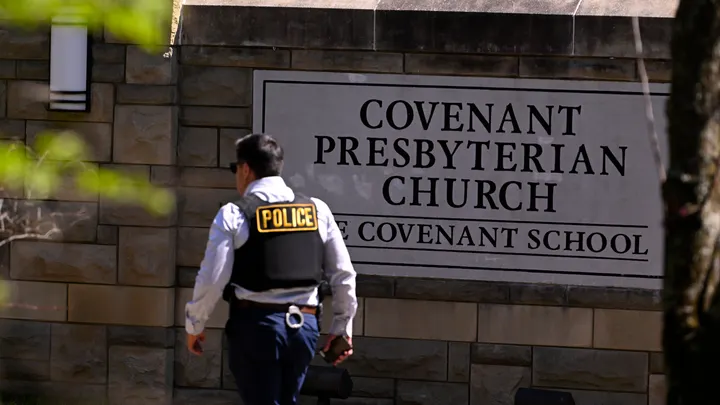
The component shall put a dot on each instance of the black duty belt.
(306, 309)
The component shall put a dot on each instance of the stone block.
(226, 145)
(189, 396)
(142, 67)
(358, 321)
(627, 330)
(238, 117)
(410, 318)
(186, 276)
(4, 262)
(588, 369)
(24, 340)
(659, 70)
(108, 72)
(538, 294)
(33, 70)
(135, 170)
(198, 147)
(165, 176)
(651, 8)
(191, 246)
(614, 31)
(112, 213)
(146, 336)
(657, 390)
(327, 27)
(198, 206)
(140, 376)
(74, 394)
(578, 68)
(235, 57)
(217, 319)
(7, 69)
(501, 355)
(147, 256)
(79, 353)
(458, 362)
(97, 136)
(4, 95)
(113, 305)
(226, 86)
(607, 398)
(12, 129)
(16, 43)
(107, 235)
(108, 53)
(44, 261)
(657, 363)
(535, 325)
(465, 65)
(431, 393)
(373, 387)
(497, 385)
(146, 94)
(615, 298)
(206, 177)
(413, 359)
(36, 301)
(199, 371)
(451, 290)
(506, 31)
(28, 370)
(145, 134)
(349, 61)
(27, 100)
(375, 286)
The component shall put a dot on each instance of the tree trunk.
(691, 335)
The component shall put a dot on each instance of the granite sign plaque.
(543, 181)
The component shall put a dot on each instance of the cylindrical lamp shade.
(69, 52)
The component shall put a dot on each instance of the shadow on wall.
(24, 361)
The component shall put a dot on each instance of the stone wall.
(102, 312)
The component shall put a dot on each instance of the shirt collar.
(265, 183)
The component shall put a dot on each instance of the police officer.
(266, 255)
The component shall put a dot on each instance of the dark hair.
(262, 153)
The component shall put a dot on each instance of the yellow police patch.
(286, 218)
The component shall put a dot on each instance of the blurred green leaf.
(58, 156)
(63, 146)
(140, 21)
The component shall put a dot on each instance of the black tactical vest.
(284, 248)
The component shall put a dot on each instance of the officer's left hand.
(194, 343)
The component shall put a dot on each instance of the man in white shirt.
(266, 255)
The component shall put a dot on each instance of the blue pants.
(268, 359)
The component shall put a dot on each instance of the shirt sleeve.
(340, 274)
(215, 269)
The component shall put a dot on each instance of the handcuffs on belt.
(294, 310)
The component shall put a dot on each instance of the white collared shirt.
(229, 231)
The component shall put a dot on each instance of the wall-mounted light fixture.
(69, 64)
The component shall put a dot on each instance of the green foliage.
(55, 158)
(140, 21)
(38, 171)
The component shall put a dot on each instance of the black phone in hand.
(337, 348)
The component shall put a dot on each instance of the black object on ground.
(327, 383)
